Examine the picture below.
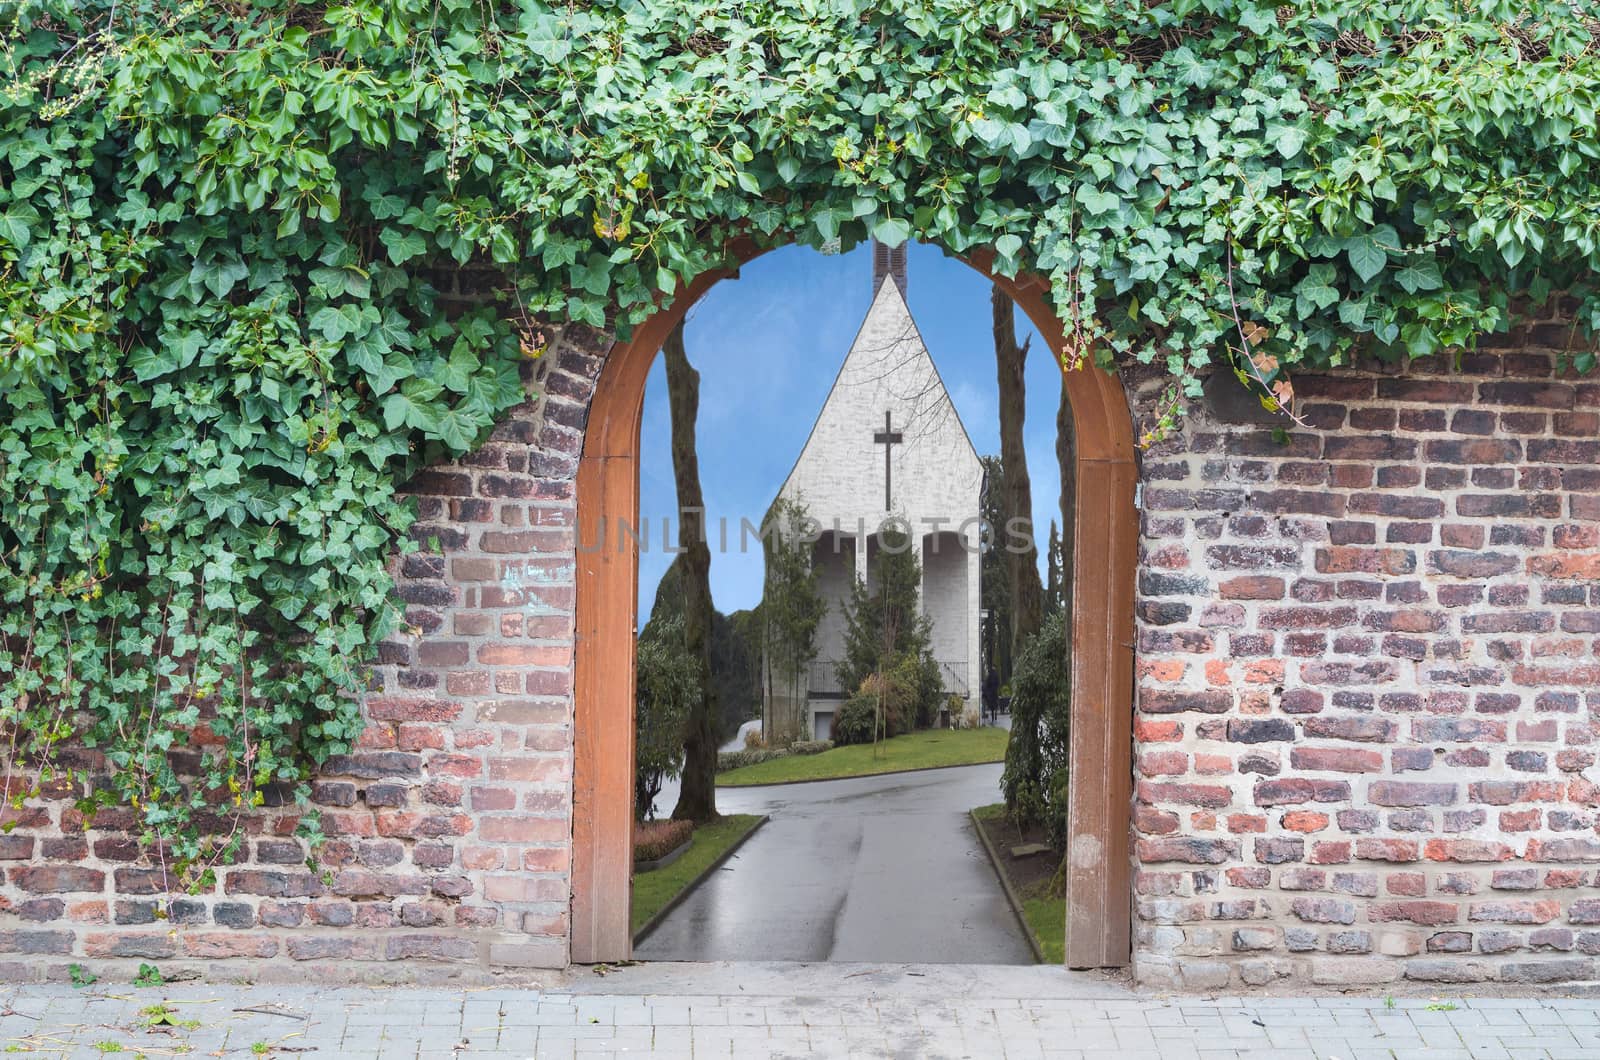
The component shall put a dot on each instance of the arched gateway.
(1098, 904)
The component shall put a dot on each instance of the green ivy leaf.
(412, 406)
(1008, 247)
(546, 37)
(402, 244)
(455, 374)
(891, 231)
(1369, 251)
(1316, 291)
(1419, 275)
(16, 224)
(1286, 139)
(457, 430)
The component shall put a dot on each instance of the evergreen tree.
(791, 609)
(1039, 753)
(887, 642)
(885, 621)
(665, 688)
(735, 650)
(996, 575)
(1052, 571)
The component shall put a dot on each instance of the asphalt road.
(867, 869)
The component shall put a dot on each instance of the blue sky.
(767, 347)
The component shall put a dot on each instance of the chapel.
(888, 451)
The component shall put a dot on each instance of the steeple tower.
(887, 262)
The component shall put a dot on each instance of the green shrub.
(921, 674)
(665, 687)
(1037, 758)
(898, 692)
(853, 723)
(910, 694)
(727, 760)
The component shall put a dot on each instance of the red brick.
(1151, 821)
(1430, 914)
(523, 829)
(1559, 565)
(523, 655)
(1336, 759)
(1465, 850)
(529, 768)
(1157, 731)
(546, 859)
(1213, 796)
(1515, 911)
(1374, 849)
(1409, 793)
(1406, 884)
(1330, 852)
(1192, 850)
(524, 889)
(229, 944)
(56, 879)
(1163, 763)
(1293, 790)
(1354, 560)
(1251, 587)
(149, 945)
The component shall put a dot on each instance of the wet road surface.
(866, 869)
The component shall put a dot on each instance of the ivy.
(221, 349)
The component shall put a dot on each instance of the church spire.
(888, 262)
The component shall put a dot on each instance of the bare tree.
(1067, 457)
(697, 794)
(1022, 560)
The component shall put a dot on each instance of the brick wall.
(1369, 684)
(450, 825)
(1365, 736)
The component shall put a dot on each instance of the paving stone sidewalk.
(754, 1011)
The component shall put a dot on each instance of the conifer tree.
(791, 609)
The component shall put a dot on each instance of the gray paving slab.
(793, 1011)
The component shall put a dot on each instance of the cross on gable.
(887, 438)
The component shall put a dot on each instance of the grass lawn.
(653, 890)
(1045, 914)
(917, 750)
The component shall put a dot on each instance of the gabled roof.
(889, 299)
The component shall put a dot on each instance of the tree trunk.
(697, 794)
(1022, 556)
(1067, 457)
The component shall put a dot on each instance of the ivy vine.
(221, 350)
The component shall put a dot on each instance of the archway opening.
(1101, 625)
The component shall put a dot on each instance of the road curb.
(1012, 898)
(677, 899)
(666, 859)
(858, 776)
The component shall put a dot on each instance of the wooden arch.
(1099, 907)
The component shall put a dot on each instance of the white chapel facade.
(888, 450)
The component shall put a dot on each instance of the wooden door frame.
(1099, 874)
